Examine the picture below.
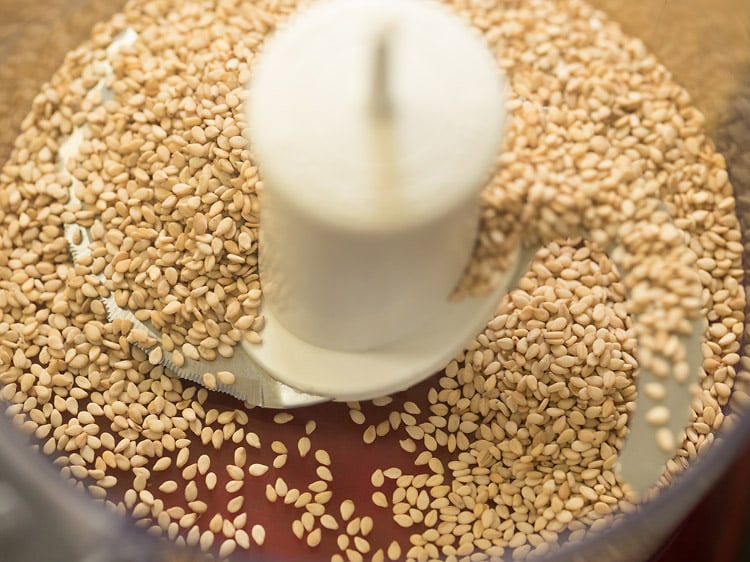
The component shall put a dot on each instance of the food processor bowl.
(705, 44)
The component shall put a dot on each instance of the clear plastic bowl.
(705, 43)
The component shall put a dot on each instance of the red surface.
(718, 530)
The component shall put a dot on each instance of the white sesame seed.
(346, 509)
(283, 417)
(303, 446)
(258, 533)
(313, 538)
(379, 499)
(658, 415)
(257, 469)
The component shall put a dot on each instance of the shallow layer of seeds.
(511, 449)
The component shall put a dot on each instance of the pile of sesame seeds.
(507, 452)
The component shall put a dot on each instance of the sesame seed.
(303, 446)
(279, 461)
(278, 447)
(191, 491)
(226, 377)
(357, 416)
(352, 528)
(324, 473)
(291, 496)
(346, 509)
(362, 545)
(258, 533)
(377, 479)
(303, 499)
(253, 440)
(329, 522)
(392, 472)
(257, 469)
(310, 426)
(322, 456)
(394, 551)
(206, 541)
(313, 538)
(168, 487)
(233, 486)
(403, 520)
(204, 463)
(242, 538)
(658, 415)
(281, 487)
(369, 435)
(298, 529)
(235, 472)
(318, 486)
(162, 464)
(198, 506)
(379, 499)
(282, 418)
(315, 508)
(665, 439)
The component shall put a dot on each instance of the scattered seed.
(162, 464)
(225, 377)
(377, 479)
(204, 463)
(324, 473)
(403, 520)
(233, 486)
(357, 416)
(168, 487)
(346, 509)
(394, 551)
(298, 529)
(235, 472)
(206, 541)
(329, 521)
(242, 538)
(253, 440)
(235, 504)
(665, 439)
(658, 415)
(258, 533)
(369, 435)
(322, 456)
(257, 469)
(313, 538)
(310, 426)
(303, 446)
(281, 487)
(362, 545)
(283, 417)
(379, 499)
(279, 448)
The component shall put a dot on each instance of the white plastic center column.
(375, 124)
